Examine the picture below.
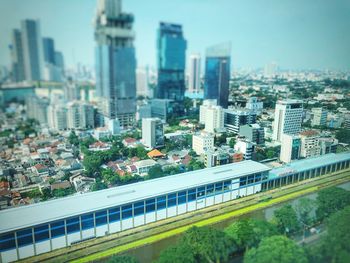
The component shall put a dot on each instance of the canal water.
(149, 253)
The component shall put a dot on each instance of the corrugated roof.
(21, 217)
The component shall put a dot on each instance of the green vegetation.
(343, 135)
(286, 220)
(122, 259)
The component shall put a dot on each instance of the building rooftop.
(21, 217)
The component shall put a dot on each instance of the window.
(150, 205)
(192, 194)
(227, 185)
(218, 187)
(126, 211)
(41, 233)
(257, 177)
(7, 241)
(210, 189)
(87, 221)
(181, 197)
(139, 208)
(251, 179)
(243, 180)
(161, 202)
(114, 214)
(171, 200)
(73, 224)
(200, 191)
(101, 218)
(57, 229)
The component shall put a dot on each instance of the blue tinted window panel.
(7, 241)
(210, 189)
(192, 194)
(218, 187)
(139, 208)
(87, 221)
(41, 233)
(126, 211)
(114, 214)
(101, 218)
(150, 205)
(161, 202)
(57, 229)
(181, 197)
(25, 237)
(200, 191)
(73, 225)
(171, 200)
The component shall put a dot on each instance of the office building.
(202, 142)
(244, 146)
(115, 62)
(17, 57)
(171, 60)
(16, 92)
(80, 115)
(143, 111)
(32, 50)
(49, 50)
(310, 144)
(254, 104)
(235, 118)
(290, 148)
(152, 132)
(288, 118)
(319, 117)
(194, 80)
(59, 60)
(57, 117)
(142, 83)
(166, 109)
(36, 108)
(328, 145)
(71, 91)
(202, 109)
(43, 227)
(253, 132)
(216, 157)
(217, 73)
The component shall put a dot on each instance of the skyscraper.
(217, 73)
(195, 71)
(17, 56)
(59, 59)
(32, 50)
(49, 50)
(171, 58)
(152, 132)
(288, 118)
(115, 62)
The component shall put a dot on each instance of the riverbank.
(104, 247)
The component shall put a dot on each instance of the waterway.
(149, 253)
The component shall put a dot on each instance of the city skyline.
(295, 34)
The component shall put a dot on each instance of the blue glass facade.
(49, 50)
(171, 58)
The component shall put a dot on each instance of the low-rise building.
(253, 132)
(310, 144)
(290, 148)
(144, 166)
(202, 142)
(245, 146)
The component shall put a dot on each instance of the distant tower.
(115, 62)
(17, 56)
(32, 50)
(171, 48)
(195, 71)
(49, 50)
(217, 73)
(288, 118)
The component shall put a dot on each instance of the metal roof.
(310, 163)
(30, 215)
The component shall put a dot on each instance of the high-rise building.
(71, 90)
(49, 50)
(80, 115)
(17, 56)
(212, 116)
(288, 118)
(32, 50)
(235, 118)
(253, 132)
(37, 108)
(310, 144)
(194, 73)
(319, 117)
(290, 148)
(57, 117)
(152, 132)
(202, 142)
(171, 60)
(59, 60)
(142, 83)
(217, 73)
(115, 62)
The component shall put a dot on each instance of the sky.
(296, 34)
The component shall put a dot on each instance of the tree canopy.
(286, 219)
(122, 259)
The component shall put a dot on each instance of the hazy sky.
(297, 34)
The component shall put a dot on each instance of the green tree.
(247, 233)
(208, 244)
(276, 249)
(331, 200)
(98, 185)
(155, 172)
(232, 143)
(304, 209)
(179, 253)
(110, 177)
(122, 259)
(286, 220)
(92, 164)
(343, 136)
(73, 138)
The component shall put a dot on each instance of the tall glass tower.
(217, 73)
(171, 57)
(115, 62)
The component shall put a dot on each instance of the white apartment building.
(244, 146)
(319, 117)
(288, 118)
(57, 117)
(80, 115)
(310, 144)
(152, 132)
(202, 142)
(290, 148)
(211, 116)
